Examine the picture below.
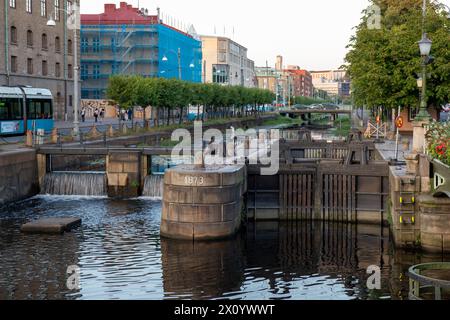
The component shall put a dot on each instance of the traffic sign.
(399, 122)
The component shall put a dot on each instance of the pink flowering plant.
(438, 139)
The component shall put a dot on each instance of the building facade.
(128, 41)
(285, 83)
(335, 82)
(38, 55)
(226, 62)
(299, 81)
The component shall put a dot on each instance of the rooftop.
(124, 14)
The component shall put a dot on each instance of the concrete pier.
(202, 204)
(51, 225)
(435, 223)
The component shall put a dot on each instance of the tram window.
(40, 109)
(10, 109)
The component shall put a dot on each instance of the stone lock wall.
(202, 204)
(124, 174)
(18, 176)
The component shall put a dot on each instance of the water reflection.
(121, 256)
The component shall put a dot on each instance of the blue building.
(128, 41)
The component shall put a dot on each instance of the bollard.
(81, 138)
(124, 129)
(58, 141)
(104, 139)
(94, 132)
(110, 131)
(29, 141)
(55, 135)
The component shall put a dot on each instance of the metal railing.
(421, 285)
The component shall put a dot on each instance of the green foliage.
(307, 101)
(385, 63)
(169, 94)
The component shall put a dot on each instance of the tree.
(384, 63)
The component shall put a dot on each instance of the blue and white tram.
(25, 108)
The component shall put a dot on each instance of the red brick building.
(300, 81)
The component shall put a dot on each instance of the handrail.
(418, 281)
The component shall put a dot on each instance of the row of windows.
(43, 7)
(11, 109)
(44, 67)
(44, 41)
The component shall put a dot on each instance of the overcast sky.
(310, 33)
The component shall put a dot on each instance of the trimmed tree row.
(171, 98)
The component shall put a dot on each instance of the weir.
(75, 183)
(153, 186)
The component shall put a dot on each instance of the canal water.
(121, 256)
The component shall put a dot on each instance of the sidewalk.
(91, 122)
(387, 149)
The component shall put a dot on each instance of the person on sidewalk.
(130, 114)
(83, 114)
(96, 113)
(102, 114)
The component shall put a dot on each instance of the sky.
(312, 34)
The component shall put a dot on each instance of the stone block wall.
(18, 176)
(124, 174)
(202, 204)
(435, 223)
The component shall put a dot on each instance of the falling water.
(75, 183)
(153, 187)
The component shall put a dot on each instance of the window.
(70, 101)
(12, 3)
(57, 45)
(84, 72)
(57, 10)
(57, 70)
(10, 109)
(44, 68)
(39, 109)
(95, 71)
(13, 35)
(221, 73)
(84, 45)
(30, 38)
(412, 113)
(43, 8)
(13, 64)
(95, 44)
(69, 46)
(44, 42)
(29, 6)
(70, 71)
(30, 66)
(69, 7)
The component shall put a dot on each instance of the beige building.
(34, 54)
(226, 62)
(328, 76)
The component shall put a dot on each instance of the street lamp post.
(74, 25)
(425, 49)
(165, 59)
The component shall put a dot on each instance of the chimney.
(110, 7)
(279, 64)
(123, 5)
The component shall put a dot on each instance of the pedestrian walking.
(96, 113)
(83, 114)
(130, 114)
(102, 114)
